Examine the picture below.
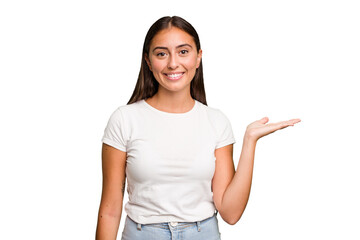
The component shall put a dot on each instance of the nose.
(173, 62)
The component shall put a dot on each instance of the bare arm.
(231, 189)
(113, 166)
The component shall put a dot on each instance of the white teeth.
(174, 75)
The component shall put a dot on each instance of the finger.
(297, 120)
(280, 125)
(264, 120)
(292, 122)
(276, 126)
(273, 127)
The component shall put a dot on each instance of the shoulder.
(128, 109)
(214, 114)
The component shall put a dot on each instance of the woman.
(174, 150)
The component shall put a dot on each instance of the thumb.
(264, 120)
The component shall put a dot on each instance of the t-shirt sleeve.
(226, 135)
(114, 133)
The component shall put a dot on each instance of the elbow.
(231, 222)
(231, 214)
(231, 219)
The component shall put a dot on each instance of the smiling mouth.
(173, 76)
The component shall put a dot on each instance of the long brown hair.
(146, 85)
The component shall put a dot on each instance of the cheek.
(191, 64)
(157, 66)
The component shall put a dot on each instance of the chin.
(178, 88)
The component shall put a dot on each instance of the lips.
(174, 76)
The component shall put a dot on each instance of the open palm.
(260, 128)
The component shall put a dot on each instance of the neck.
(179, 102)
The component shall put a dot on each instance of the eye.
(182, 52)
(161, 54)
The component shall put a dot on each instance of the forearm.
(107, 226)
(237, 193)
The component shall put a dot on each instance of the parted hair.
(146, 85)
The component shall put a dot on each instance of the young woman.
(174, 150)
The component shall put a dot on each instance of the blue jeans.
(207, 229)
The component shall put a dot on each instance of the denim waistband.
(173, 225)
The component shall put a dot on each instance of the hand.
(259, 129)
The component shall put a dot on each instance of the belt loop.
(198, 226)
(139, 226)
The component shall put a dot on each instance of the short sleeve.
(114, 133)
(226, 135)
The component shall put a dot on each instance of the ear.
(147, 61)
(198, 60)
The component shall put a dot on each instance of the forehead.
(172, 37)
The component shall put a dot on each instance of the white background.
(65, 66)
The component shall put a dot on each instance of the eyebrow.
(179, 46)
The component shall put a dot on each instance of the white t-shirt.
(170, 159)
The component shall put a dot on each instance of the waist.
(161, 212)
(174, 224)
